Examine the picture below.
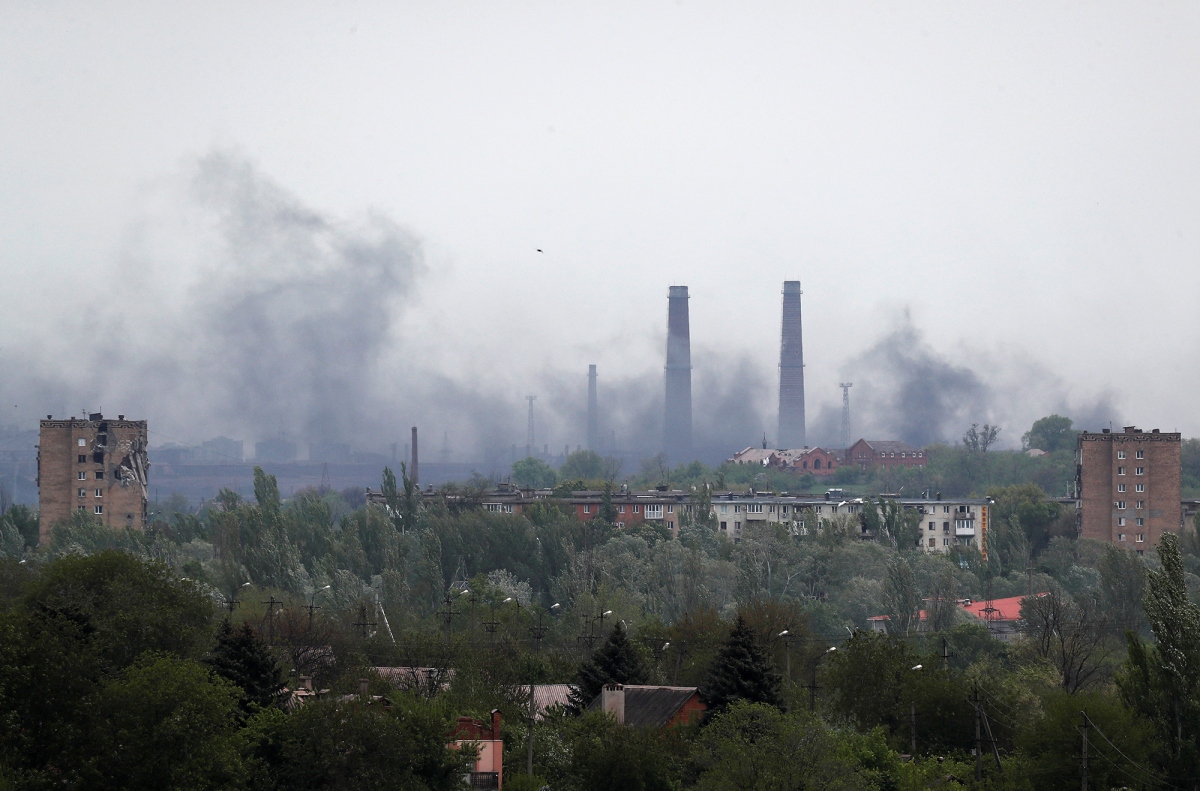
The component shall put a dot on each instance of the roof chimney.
(612, 701)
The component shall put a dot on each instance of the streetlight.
(313, 606)
(913, 718)
(787, 651)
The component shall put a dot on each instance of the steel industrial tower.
(593, 430)
(846, 413)
(791, 371)
(678, 417)
(529, 437)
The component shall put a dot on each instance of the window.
(671, 509)
(1120, 536)
(1140, 504)
(1141, 454)
(785, 509)
(724, 509)
(1120, 505)
(737, 526)
(1120, 521)
(82, 459)
(1141, 551)
(1139, 470)
(754, 508)
(494, 507)
(1120, 454)
(620, 524)
(932, 542)
(82, 475)
(654, 512)
(587, 509)
(945, 509)
(932, 526)
(737, 509)
(1139, 487)
(1140, 521)
(99, 475)
(99, 510)
(1120, 487)
(945, 542)
(945, 527)
(621, 509)
(724, 525)
(1120, 470)
(83, 492)
(81, 442)
(99, 492)
(963, 524)
(636, 508)
(1141, 537)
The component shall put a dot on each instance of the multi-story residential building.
(94, 465)
(1127, 486)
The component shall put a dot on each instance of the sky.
(337, 220)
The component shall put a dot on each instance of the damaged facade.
(94, 465)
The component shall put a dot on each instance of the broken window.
(99, 475)
(98, 457)
(82, 459)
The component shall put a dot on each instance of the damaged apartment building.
(93, 465)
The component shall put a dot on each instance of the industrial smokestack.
(593, 431)
(413, 472)
(791, 371)
(678, 423)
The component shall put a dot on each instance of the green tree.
(1051, 433)
(751, 746)
(901, 597)
(166, 724)
(980, 439)
(242, 658)
(534, 473)
(601, 755)
(615, 662)
(741, 670)
(1162, 682)
(608, 511)
(26, 522)
(584, 465)
(357, 746)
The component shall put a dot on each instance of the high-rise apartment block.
(1127, 486)
(94, 465)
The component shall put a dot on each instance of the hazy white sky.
(1021, 178)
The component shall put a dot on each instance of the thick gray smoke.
(905, 389)
(235, 309)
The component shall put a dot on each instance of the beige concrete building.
(93, 465)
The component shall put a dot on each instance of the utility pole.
(271, 603)
(1083, 767)
(537, 631)
(978, 737)
(913, 727)
(363, 623)
(846, 413)
(946, 654)
(529, 446)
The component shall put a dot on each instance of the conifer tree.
(615, 662)
(741, 671)
(241, 657)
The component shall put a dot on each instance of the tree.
(1051, 433)
(741, 670)
(608, 511)
(583, 465)
(901, 597)
(980, 439)
(533, 473)
(1070, 634)
(750, 746)
(166, 724)
(615, 662)
(1122, 588)
(1162, 682)
(25, 520)
(242, 658)
(600, 755)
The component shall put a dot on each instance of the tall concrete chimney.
(593, 430)
(678, 422)
(413, 472)
(791, 371)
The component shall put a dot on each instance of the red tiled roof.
(1008, 609)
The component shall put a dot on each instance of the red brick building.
(884, 453)
(1127, 486)
(94, 465)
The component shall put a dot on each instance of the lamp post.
(812, 682)
(913, 719)
(537, 631)
(312, 605)
(787, 652)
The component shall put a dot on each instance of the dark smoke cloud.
(236, 309)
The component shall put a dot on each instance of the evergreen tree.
(615, 662)
(243, 658)
(741, 671)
